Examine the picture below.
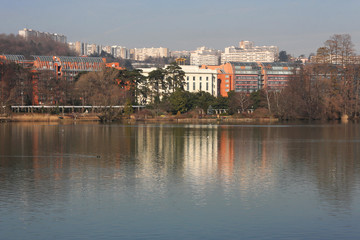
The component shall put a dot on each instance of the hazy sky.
(297, 26)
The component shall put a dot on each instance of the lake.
(172, 181)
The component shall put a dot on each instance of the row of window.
(200, 78)
(278, 78)
(246, 90)
(194, 86)
(277, 82)
(246, 82)
(247, 77)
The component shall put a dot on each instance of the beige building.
(247, 52)
(140, 54)
(27, 33)
(120, 52)
(205, 56)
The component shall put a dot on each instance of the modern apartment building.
(205, 56)
(120, 52)
(28, 33)
(225, 77)
(247, 52)
(247, 76)
(140, 54)
(276, 75)
(180, 54)
(254, 76)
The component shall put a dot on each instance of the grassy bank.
(44, 117)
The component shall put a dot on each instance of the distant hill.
(11, 44)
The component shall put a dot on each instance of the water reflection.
(50, 166)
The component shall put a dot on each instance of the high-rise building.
(28, 33)
(92, 49)
(205, 56)
(179, 54)
(140, 54)
(107, 49)
(79, 48)
(120, 52)
(247, 52)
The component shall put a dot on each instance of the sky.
(296, 26)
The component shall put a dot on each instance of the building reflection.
(51, 162)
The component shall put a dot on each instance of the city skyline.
(293, 26)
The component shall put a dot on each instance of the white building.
(205, 56)
(196, 79)
(92, 49)
(140, 54)
(120, 52)
(28, 33)
(107, 49)
(181, 53)
(247, 52)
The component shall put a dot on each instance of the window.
(207, 78)
(200, 86)
(187, 86)
(207, 86)
(194, 86)
(187, 78)
(193, 78)
(200, 78)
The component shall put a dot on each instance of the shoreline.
(45, 117)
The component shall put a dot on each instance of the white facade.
(106, 49)
(247, 52)
(140, 54)
(120, 52)
(92, 49)
(205, 56)
(26, 33)
(179, 54)
(196, 79)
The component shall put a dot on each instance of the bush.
(144, 113)
(261, 113)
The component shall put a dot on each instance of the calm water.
(93, 181)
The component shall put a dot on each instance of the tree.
(157, 83)
(257, 99)
(181, 101)
(221, 103)
(339, 49)
(16, 86)
(135, 84)
(101, 89)
(128, 109)
(204, 100)
(175, 77)
(283, 56)
(11, 44)
(238, 101)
